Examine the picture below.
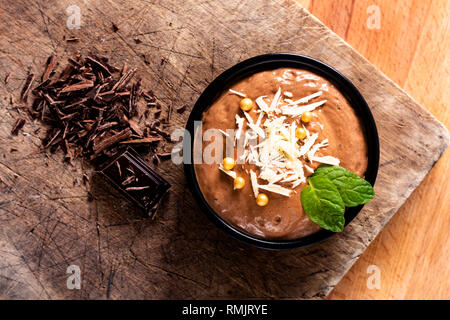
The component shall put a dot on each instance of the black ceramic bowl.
(268, 62)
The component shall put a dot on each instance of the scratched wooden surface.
(411, 47)
(47, 223)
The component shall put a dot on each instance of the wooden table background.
(411, 47)
(413, 250)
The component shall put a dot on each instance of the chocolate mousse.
(281, 125)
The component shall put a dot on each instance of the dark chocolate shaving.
(18, 126)
(72, 39)
(92, 111)
(98, 64)
(78, 86)
(8, 76)
(164, 154)
(146, 60)
(88, 106)
(142, 140)
(181, 109)
(26, 88)
(169, 113)
(108, 142)
(128, 180)
(137, 188)
(50, 67)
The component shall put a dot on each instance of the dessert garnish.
(330, 190)
(285, 146)
(262, 199)
(239, 183)
(284, 154)
(246, 104)
(228, 163)
(237, 93)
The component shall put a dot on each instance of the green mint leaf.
(353, 189)
(323, 204)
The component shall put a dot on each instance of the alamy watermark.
(74, 280)
(74, 19)
(374, 280)
(374, 18)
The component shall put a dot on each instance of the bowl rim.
(273, 61)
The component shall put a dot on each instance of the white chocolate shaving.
(237, 93)
(279, 155)
(309, 142)
(275, 100)
(254, 181)
(311, 170)
(298, 111)
(262, 104)
(327, 160)
(254, 127)
(316, 148)
(224, 133)
(240, 125)
(270, 176)
(228, 172)
(295, 184)
(244, 155)
(258, 121)
(276, 189)
(307, 98)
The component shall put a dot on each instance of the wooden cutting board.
(47, 222)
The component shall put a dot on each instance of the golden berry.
(228, 163)
(246, 104)
(262, 199)
(300, 133)
(306, 116)
(239, 183)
